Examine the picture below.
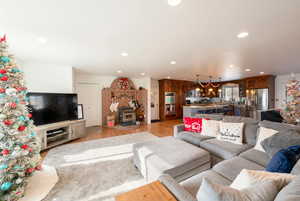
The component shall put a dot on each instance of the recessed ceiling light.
(42, 40)
(243, 35)
(231, 66)
(124, 54)
(173, 62)
(119, 71)
(247, 69)
(143, 74)
(262, 73)
(174, 2)
(169, 77)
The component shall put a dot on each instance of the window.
(230, 92)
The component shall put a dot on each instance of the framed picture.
(80, 111)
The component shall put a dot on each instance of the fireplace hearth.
(127, 116)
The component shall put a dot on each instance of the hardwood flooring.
(160, 129)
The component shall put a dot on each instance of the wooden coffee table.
(151, 192)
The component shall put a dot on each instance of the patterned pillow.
(231, 132)
(193, 124)
(210, 127)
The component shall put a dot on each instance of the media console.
(55, 134)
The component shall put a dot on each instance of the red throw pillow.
(193, 124)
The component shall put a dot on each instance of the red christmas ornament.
(4, 78)
(30, 170)
(3, 71)
(5, 152)
(2, 90)
(29, 115)
(3, 39)
(24, 146)
(13, 105)
(22, 128)
(39, 167)
(8, 122)
(30, 150)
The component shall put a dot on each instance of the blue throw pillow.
(284, 160)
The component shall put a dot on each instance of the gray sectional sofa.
(229, 159)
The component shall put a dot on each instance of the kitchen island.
(194, 109)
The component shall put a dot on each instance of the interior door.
(89, 96)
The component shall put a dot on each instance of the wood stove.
(127, 116)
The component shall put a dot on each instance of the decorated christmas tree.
(291, 112)
(19, 145)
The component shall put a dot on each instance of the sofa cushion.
(281, 140)
(223, 149)
(291, 192)
(278, 126)
(263, 134)
(231, 132)
(192, 184)
(296, 168)
(210, 191)
(191, 137)
(176, 189)
(232, 167)
(250, 127)
(256, 156)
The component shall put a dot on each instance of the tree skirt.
(96, 170)
(40, 184)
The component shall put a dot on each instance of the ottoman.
(172, 156)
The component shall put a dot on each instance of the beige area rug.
(95, 170)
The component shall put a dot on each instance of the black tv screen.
(49, 108)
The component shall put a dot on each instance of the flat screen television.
(49, 108)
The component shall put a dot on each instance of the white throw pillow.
(210, 127)
(231, 132)
(263, 134)
(248, 178)
(208, 191)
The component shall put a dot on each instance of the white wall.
(105, 81)
(280, 88)
(48, 77)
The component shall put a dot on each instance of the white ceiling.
(200, 35)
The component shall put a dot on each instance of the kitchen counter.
(194, 109)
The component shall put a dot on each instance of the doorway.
(89, 97)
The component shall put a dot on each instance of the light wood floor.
(159, 129)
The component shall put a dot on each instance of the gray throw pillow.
(265, 191)
(281, 140)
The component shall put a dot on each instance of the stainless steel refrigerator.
(259, 98)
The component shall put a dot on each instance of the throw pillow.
(263, 133)
(193, 124)
(231, 132)
(281, 140)
(248, 178)
(284, 160)
(210, 127)
(265, 191)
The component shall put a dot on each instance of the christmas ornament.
(22, 128)
(5, 186)
(4, 166)
(13, 105)
(2, 71)
(5, 152)
(29, 115)
(24, 146)
(5, 59)
(4, 78)
(8, 122)
(2, 90)
(30, 170)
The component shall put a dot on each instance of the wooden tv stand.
(55, 134)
